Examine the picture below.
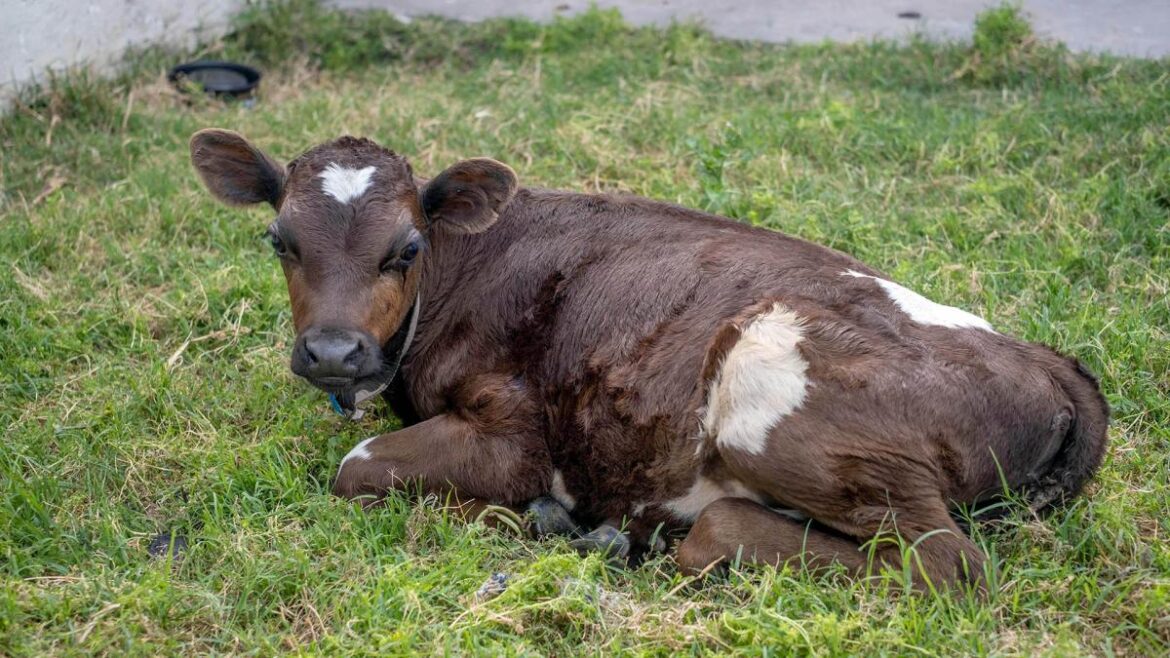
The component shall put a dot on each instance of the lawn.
(145, 331)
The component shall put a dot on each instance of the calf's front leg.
(487, 447)
(484, 447)
(448, 455)
(486, 451)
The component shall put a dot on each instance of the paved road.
(1139, 28)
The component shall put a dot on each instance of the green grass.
(144, 333)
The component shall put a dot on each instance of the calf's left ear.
(467, 196)
(236, 172)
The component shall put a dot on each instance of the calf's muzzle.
(335, 357)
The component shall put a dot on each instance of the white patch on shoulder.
(560, 493)
(345, 184)
(360, 451)
(704, 492)
(924, 311)
(762, 380)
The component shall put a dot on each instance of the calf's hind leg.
(737, 527)
(889, 498)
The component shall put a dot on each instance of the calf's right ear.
(468, 195)
(236, 172)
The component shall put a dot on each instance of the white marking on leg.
(704, 492)
(360, 451)
(924, 311)
(795, 515)
(345, 184)
(560, 493)
(761, 381)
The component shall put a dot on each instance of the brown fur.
(580, 333)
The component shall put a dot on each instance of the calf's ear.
(467, 196)
(236, 172)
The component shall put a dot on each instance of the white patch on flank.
(762, 380)
(704, 492)
(345, 184)
(560, 493)
(639, 509)
(360, 451)
(924, 311)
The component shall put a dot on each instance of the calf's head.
(353, 228)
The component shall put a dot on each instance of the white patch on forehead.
(360, 451)
(761, 381)
(345, 184)
(924, 311)
(704, 492)
(560, 493)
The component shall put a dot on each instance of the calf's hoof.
(605, 539)
(548, 517)
(366, 497)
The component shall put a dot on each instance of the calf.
(653, 366)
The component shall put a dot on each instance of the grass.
(144, 332)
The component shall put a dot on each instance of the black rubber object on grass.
(219, 78)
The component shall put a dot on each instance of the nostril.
(355, 354)
(310, 357)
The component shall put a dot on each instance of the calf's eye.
(278, 245)
(398, 262)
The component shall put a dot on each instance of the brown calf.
(652, 365)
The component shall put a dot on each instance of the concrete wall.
(37, 35)
(1139, 28)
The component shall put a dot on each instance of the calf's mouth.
(348, 364)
